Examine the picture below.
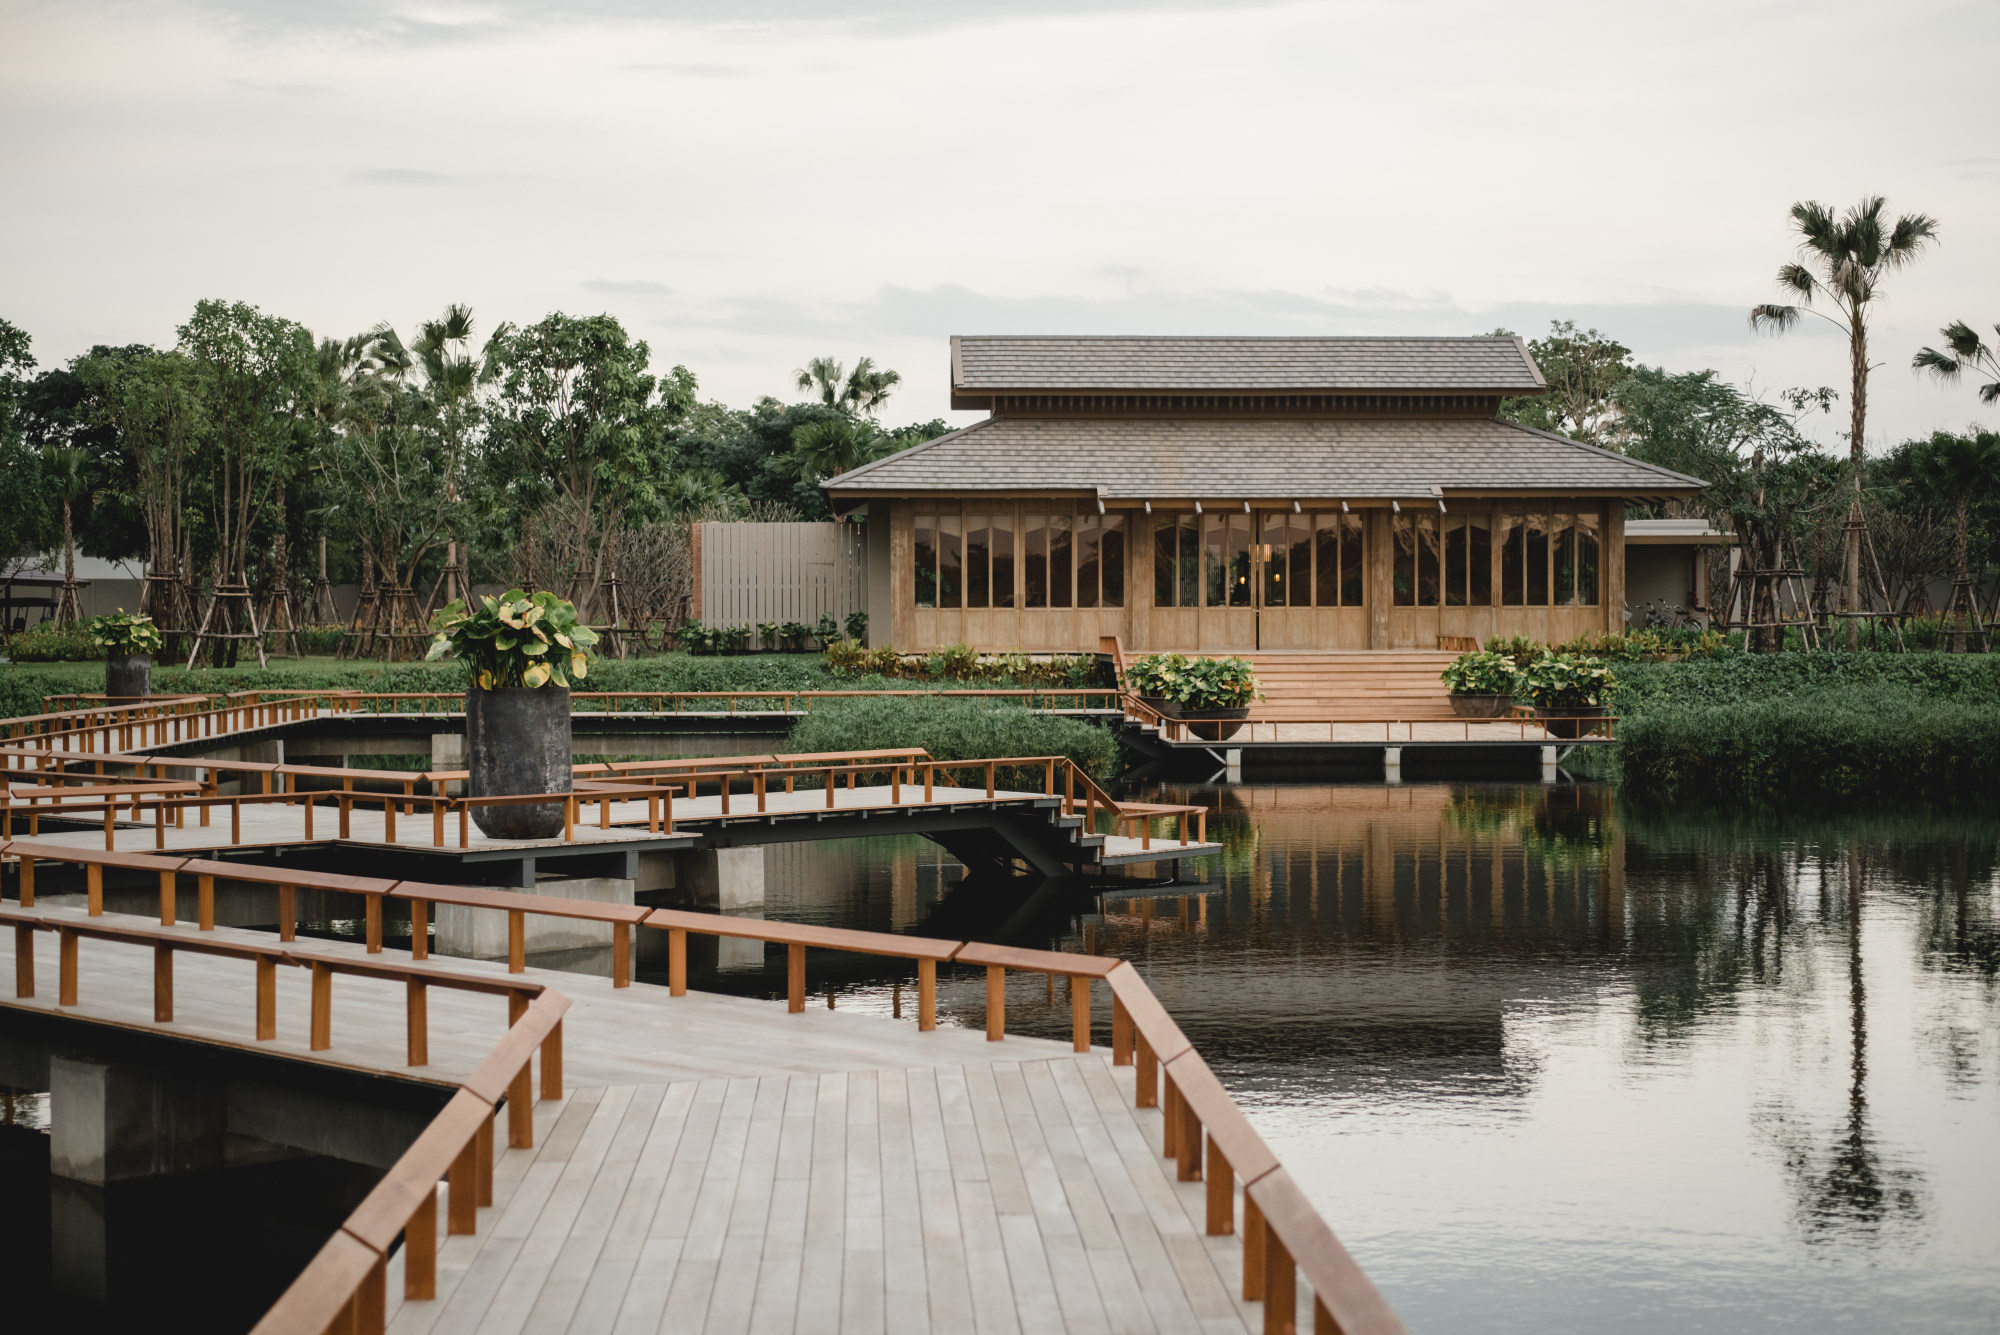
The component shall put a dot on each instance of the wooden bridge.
(620, 1157)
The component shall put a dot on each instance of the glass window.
(1479, 561)
(1352, 571)
(1272, 550)
(1326, 560)
(1112, 561)
(1059, 560)
(1562, 531)
(1417, 569)
(1513, 559)
(1239, 560)
(1587, 550)
(1455, 561)
(1537, 562)
(951, 580)
(1298, 529)
(1215, 559)
(1035, 558)
(925, 547)
(975, 560)
(1190, 544)
(1166, 562)
(1002, 543)
(1089, 533)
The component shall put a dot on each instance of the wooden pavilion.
(1241, 494)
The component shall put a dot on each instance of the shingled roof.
(982, 365)
(1131, 460)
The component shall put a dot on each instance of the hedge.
(1841, 744)
(956, 730)
(1740, 678)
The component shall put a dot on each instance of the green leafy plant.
(1195, 683)
(52, 642)
(1485, 673)
(123, 632)
(794, 634)
(767, 634)
(826, 630)
(1567, 681)
(857, 625)
(958, 730)
(1647, 646)
(515, 640)
(1518, 648)
(695, 638)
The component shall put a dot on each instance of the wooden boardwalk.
(721, 1165)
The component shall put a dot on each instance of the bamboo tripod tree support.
(224, 597)
(1856, 528)
(321, 595)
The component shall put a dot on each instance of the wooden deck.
(721, 1165)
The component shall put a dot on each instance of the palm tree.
(1959, 467)
(68, 470)
(1851, 253)
(835, 446)
(1967, 353)
(864, 390)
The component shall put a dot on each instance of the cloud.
(397, 176)
(631, 287)
(691, 71)
(281, 89)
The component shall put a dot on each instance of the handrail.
(1204, 1131)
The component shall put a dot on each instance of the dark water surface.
(1548, 1064)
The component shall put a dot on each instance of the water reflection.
(1549, 1063)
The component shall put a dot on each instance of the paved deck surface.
(1461, 731)
(722, 1165)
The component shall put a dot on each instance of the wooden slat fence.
(752, 573)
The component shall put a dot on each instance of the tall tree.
(1964, 351)
(67, 472)
(24, 519)
(1583, 371)
(1959, 468)
(1844, 260)
(864, 390)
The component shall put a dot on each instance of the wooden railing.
(1517, 726)
(1204, 1131)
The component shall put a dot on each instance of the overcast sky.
(747, 185)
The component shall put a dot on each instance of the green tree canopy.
(1583, 371)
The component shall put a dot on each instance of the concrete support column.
(722, 878)
(1392, 764)
(448, 752)
(1232, 761)
(1548, 764)
(109, 1122)
(481, 934)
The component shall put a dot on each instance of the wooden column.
(1380, 591)
(1611, 567)
(902, 609)
(1139, 582)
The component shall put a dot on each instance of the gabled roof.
(982, 365)
(1164, 459)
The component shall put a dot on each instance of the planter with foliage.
(1481, 684)
(129, 640)
(1178, 686)
(1568, 691)
(522, 653)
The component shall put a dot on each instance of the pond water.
(1546, 1063)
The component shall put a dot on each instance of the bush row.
(1743, 678)
(957, 730)
(1840, 743)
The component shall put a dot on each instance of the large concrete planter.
(128, 676)
(1480, 704)
(1570, 722)
(517, 741)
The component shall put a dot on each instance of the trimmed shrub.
(47, 642)
(1838, 744)
(957, 730)
(1742, 678)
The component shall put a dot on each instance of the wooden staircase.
(1352, 687)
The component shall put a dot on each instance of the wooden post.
(1170, 1108)
(795, 979)
(24, 959)
(1281, 1296)
(166, 899)
(1187, 1148)
(462, 1189)
(1079, 1012)
(416, 1010)
(420, 1240)
(288, 912)
(677, 961)
(163, 983)
(65, 967)
(204, 900)
(621, 954)
(552, 1064)
(520, 1110)
(1221, 1192)
(1121, 1033)
(373, 917)
(996, 1003)
(371, 1300)
(517, 941)
(93, 881)
(1253, 1250)
(267, 997)
(322, 1007)
(27, 883)
(926, 996)
(420, 929)
(483, 1160)
(1146, 1077)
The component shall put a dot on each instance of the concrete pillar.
(481, 934)
(79, 1252)
(109, 1122)
(1232, 762)
(448, 752)
(271, 752)
(1392, 764)
(1548, 764)
(722, 878)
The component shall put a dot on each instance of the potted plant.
(129, 641)
(1218, 691)
(522, 653)
(1481, 684)
(1568, 691)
